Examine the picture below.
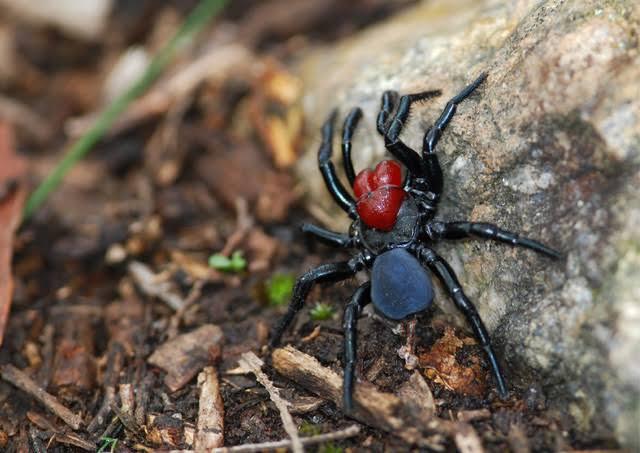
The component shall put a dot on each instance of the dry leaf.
(12, 195)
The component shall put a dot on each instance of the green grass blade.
(194, 23)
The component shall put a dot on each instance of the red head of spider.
(379, 195)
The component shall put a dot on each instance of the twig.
(176, 319)
(351, 431)
(115, 359)
(16, 377)
(198, 18)
(252, 363)
(150, 284)
(244, 222)
(210, 426)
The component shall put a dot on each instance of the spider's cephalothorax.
(393, 229)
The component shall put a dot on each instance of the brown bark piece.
(74, 366)
(12, 195)
(416, 389)
(184, 356)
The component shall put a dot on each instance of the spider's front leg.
(394, 145)
(460, 230)
(349, 127)
(325, 273)
(449, 280)
(360, 299)
(335, 187)
(432, 136)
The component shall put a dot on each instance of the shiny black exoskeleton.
(398, 256)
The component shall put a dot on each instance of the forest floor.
(143, 342)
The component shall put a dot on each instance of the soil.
(82, 326)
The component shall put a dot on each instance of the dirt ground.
(111, 277)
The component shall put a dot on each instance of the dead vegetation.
(123, 337)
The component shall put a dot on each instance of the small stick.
(151, 284)
(16, 377)
(210, 426)
(351, 431)
(253, 364)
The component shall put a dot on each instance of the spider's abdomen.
(379, 195)
(400, 286)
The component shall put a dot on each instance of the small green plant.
(107, 443)
(330, 447)
(309, 429)
(322, 312)
(225, 264)
(279, 289)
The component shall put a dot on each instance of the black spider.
(393, 229)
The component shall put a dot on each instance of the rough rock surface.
(549, 146)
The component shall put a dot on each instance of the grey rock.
(549, 146)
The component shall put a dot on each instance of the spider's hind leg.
(449, 280)
(360, 298)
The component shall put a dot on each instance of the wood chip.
(517, 439)
(416, 389)
(250, 362)
(384, 411)
(210, 426)
(467, 440)
(185, 355)
(305, 404)
(76, 441)
(477, 414)
(12, 198)
(16, 377)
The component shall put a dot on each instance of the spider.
(393, 229)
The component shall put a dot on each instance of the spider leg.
(350, 124)
(449, 280)
(325, 273)
(387, 103)
(327, 237)
(335, 187)
(432, 136)
(360, 298)
(460, 230)
(394, 145)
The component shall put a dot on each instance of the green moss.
(279, 289)
(309, 429)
